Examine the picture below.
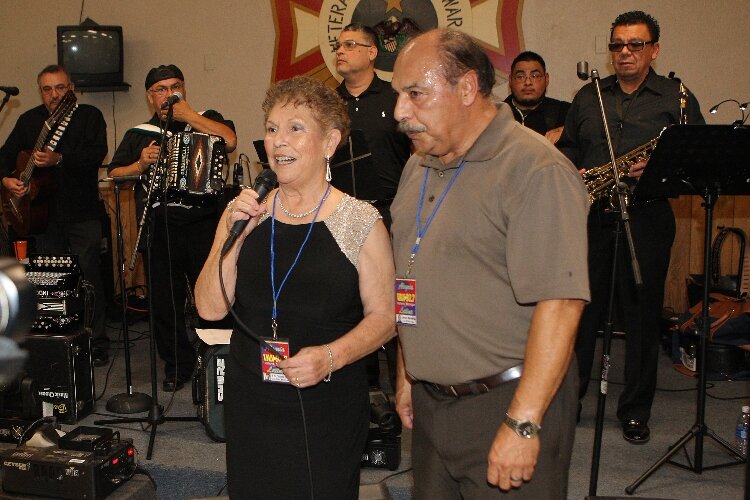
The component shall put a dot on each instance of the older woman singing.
(313, 274)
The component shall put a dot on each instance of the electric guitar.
(29, 213)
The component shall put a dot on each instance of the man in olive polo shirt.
(489, 234)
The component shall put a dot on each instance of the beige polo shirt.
(510, 232)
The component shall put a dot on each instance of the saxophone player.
(638, 103)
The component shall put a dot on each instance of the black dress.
(320, 302)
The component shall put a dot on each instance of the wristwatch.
(524, 428)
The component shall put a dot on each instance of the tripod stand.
(705, 159)
(155, 414)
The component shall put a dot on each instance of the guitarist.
(74, 224)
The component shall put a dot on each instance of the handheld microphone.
(9, 90)
(171, 100)
(582, 70)
(265, 181)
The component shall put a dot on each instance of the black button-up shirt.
(83, 146)
(633, 119)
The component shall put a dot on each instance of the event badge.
(269, 359)
(406, 301)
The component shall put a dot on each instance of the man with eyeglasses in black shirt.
(528, 97)
(182, 231)
(74, 222)
(639, 103)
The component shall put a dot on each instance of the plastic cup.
(20, 247)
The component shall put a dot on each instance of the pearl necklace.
(304, 214)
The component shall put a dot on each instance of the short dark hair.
(528, 56)
(637, 17)
(370, 35)
(460, 53)
(325, 104)
(52, 68)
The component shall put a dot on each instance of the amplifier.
(208, 389)
(68, 473)
(60, 366)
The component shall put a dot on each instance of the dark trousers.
(451, 440)
(178, 250)
(653, 228)
(83, 239)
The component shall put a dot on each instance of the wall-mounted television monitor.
(93, 55)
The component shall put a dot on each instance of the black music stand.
(707, 160)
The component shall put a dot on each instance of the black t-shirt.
(83, 146)
(372, 113)
(549, 114)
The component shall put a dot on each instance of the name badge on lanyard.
(406, 301)
(269, 359)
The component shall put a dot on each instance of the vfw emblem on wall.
(307, 29)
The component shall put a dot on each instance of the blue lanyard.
(275, 293)
(422, 230)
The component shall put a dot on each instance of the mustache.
(405, 128)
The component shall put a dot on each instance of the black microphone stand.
(156, 413)
(622, 222)
(128, 402)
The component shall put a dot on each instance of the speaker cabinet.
(60, 366)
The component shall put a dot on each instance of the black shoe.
(635, 431)
(99, 356)
(172, 385)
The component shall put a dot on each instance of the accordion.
(194, 165)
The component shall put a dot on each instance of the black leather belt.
(479, 386)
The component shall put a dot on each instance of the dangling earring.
(328, 169)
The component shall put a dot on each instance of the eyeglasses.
(535, 76)
(632, 46)
(349, 45)
(162, 90)
(60, 88)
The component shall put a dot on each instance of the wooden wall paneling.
(129, 231)
(675, 295)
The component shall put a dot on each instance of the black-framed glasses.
(535, 76)
(632, 46)
(349, 45)
(163, 89)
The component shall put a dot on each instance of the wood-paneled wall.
(687, 250)
(129, 231)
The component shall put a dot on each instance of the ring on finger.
(296, 381)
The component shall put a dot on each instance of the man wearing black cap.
(181, 233)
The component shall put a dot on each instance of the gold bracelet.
(139, 167)
(330, 363)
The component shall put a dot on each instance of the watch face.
(526, 429)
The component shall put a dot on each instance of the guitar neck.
(47, 141)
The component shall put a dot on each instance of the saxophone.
(600, 180)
